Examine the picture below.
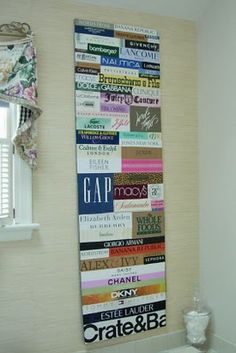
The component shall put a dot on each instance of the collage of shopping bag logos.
(120, 179)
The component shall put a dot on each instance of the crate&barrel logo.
(100, 331)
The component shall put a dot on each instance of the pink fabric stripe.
(142, 165)
(157, 203)
(141, 161)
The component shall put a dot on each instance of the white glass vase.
(196, 324)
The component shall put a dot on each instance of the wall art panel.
(120, 179)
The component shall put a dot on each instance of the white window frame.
(6, 171)
(22, 226)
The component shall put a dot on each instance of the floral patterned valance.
(18, 84)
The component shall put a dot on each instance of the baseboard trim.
(158, 344)
(162, 343)
(220, 345)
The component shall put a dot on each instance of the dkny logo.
(125, 293)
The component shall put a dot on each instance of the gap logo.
(95, 193)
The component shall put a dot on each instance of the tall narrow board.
(120, 179)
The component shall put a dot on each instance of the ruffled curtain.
(18, 84)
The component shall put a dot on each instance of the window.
(15, 181)
(6, 185)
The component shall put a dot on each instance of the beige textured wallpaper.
(39, 295)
